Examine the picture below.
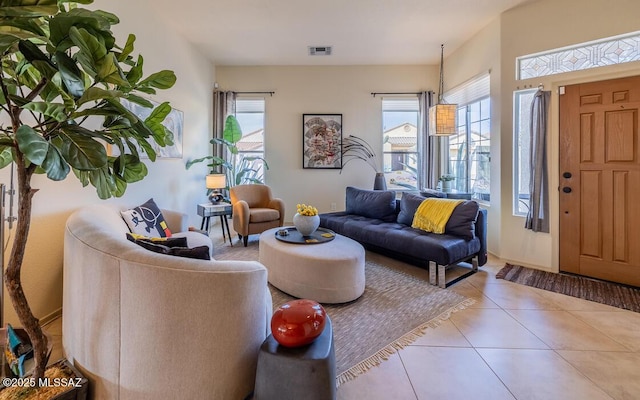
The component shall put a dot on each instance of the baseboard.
(47, 319)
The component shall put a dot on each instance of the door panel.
(599, 147)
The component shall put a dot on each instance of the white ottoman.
(331, 272)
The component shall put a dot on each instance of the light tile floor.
(515, 342)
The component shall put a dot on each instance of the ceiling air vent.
(319, 50)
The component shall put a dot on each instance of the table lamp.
(215, 182)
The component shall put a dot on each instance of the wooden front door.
(600, 180)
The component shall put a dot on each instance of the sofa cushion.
(461, 223)
(433, 193)
(146, 219)
(409, 203)
(463, 220)
(380, 204)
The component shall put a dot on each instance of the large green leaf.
(28, 9)
(128, 48)
(56, 111)
(139, 100)
(8, 38)
(33, 25)
(91, 50)
(32, 52)
(61, 24)
(56, 167)
(6, 156)
(158, 114)
(31, 144)
(70, 74)
(232, 132)
(161, 80)
(135, 73)
(103, 181)
(45, 68)
(109, 71)
(133, 169)
(76, 1)
(82, 152)
(121, 186)
(96, 93)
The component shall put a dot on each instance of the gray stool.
(307, 372)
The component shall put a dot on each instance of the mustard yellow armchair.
(255, 210)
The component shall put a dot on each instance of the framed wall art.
(174, 122)
(321, 141)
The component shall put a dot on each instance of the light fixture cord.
(441, 86)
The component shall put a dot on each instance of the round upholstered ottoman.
(331, 272)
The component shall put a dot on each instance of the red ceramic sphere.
(298, 322)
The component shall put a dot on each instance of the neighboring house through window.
(400, 142)
(250, 114)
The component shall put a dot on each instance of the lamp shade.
(443, 119)
(216, 181)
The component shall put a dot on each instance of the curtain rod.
(376, 93)
(269, 93)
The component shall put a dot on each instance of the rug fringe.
(393, 347)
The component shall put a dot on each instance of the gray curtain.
(224, 104)
(430, 160)
(538, 215)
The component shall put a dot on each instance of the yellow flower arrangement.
(306, 210)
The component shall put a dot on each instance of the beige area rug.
(395, 309)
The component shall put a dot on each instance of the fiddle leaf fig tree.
(63, 77)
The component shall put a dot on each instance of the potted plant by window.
(63, 76)
(446, 180)
(356, 148)
(239, 170)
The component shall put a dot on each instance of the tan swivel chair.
(255, 210)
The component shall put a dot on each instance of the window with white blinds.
(469, 150)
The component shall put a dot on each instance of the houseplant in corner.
(62, 80)
(239, 170)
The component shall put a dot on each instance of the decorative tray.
(321, 235)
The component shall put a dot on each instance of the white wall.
(480, 55)
(168, 182)
(342, 90)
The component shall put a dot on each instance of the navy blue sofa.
(383, 224)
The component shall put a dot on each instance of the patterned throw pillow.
(146, 219)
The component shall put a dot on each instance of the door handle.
(566, 189)
(566, 175)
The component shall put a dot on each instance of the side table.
(208, 210)
(307, 372)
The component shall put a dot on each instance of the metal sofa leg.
(474, 264)
(442, 282)
(432, 273)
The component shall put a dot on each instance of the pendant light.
(443, 118)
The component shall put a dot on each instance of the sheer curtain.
(431, 148)
(538, 216)
(224, 104)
